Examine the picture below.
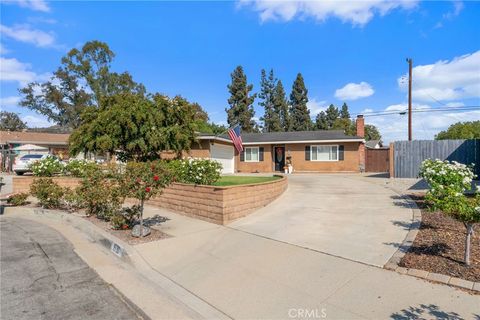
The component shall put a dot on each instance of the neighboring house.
(374, 144)
(53, 143)
(308, 151)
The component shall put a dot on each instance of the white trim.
(245, 154)
(306, 141)
(214, 138)
(324, 145)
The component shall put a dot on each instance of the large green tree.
(298, 105)
(332, 115)
(136, 127)
(241, 102)
(344, 113)
(82, 80)
(10, 121)
(321, 122)
(372, 133)
(280, 103)
(271, 117)
(461, 130)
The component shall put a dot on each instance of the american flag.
(234, 134)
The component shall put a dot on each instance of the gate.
(377, 160)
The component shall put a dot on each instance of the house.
(374, 144)
(53, 143)
(307, 151)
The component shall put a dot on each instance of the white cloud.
(36, 121)
(13, 70)
(446, 80)
(355, 12)
(24, 33)
(354, 91)
(316, 106)
(9, 101)
(36, 5)
(425, 125)
(3, 50)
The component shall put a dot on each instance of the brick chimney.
(360, 126)
(361, 147)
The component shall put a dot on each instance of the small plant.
(48, 193)
(125, 218)
(143, 180)
(80, 168)
(72, 200)
(18, 199)
(196, 171)
(46, 167)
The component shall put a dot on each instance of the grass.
(238, 180)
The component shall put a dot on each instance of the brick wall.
(219, 205)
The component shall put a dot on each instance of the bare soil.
(440, 244)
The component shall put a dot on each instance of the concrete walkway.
(349, 216)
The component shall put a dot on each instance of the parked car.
(22, 165)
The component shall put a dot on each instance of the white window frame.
(324, 145)
(258, 154)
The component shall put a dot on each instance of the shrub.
(80, 168)
(46, 167)
(196, 171)
(48, 193)
(72, 199)
(101, 196)
(18, 199)
(125, 218)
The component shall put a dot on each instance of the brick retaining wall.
(219, 205)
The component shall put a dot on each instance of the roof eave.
(305, 141)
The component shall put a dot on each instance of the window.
(251, 154)
(324, 153)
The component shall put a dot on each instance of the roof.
(373, 143)
(289, 137)
(24, 137)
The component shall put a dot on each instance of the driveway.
(43, 278)
(349, 216)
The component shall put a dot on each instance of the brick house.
(307, 151)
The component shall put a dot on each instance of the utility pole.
(410, 61)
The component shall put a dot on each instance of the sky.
(347, 51)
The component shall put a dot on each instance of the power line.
(403, 112)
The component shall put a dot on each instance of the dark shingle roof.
(291, 136)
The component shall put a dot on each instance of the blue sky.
(348, 51)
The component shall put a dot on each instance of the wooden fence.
(377, 160)
(407, 156)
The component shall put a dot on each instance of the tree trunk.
(141, 218)
(469, 227)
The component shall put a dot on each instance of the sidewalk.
(241, 275)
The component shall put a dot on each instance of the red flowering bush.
(143, 180)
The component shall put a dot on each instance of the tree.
(372, 133)
(136, 127)
(241, 109)
(10, 121)
(344, 113)
(82, 80)
(346, 125)
(298, 105)
(271, 118)
(461, 130)
(281, 107)
(321, 122)
(332, 115)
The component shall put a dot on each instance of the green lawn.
(237, 180)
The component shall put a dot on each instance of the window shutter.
(307, 153)
(341, 153)
(260, 154)
(242, 155)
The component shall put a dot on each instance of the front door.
(279, 158)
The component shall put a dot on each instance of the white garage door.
(224, 155)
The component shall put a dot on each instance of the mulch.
(126, 235)
(440, 244)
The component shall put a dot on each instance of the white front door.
(225, 155)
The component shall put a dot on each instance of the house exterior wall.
(350, 163)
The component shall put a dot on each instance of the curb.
(393, 262)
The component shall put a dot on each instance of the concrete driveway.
(349, 216)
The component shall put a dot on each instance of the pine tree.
(344, 113)
(241, 109)
(321, 122)
(271, 118)
(280, 105)
(298, 103)
(332, 114)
